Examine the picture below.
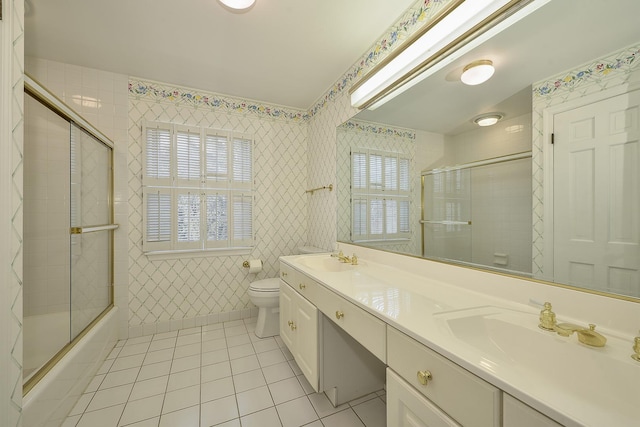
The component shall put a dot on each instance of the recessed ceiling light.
(477, 72)
(488, 119)
(238, 4)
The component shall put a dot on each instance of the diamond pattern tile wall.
(177, 289)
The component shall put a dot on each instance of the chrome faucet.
(586, 336)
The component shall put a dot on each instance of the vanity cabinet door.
(408, 408)
(518, 414)
(299, 332)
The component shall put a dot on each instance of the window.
(380, 196)
(197, 188)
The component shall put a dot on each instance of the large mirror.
(551, 191)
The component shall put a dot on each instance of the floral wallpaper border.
(621, 60)
(140, 89)
(410, 23)
(377, 129)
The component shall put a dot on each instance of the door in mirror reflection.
(597, 195)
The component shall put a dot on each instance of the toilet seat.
(265, 285)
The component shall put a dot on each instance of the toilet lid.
(266, 285)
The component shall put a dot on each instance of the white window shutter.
(156, 150)
(188, 156)
(217, 219)
(242, 219)
(358, 171)
(156, 210)
(242, 164)
(217, 159)
(359, 218)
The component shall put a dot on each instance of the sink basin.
(326, 263)
(583, 375)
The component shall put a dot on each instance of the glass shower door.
(91, 229)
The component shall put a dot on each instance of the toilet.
(265, 294)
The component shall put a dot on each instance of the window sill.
(199, 253)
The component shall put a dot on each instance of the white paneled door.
(597, 195)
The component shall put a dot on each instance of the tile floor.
(215, 375)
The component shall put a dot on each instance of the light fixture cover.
(488, 119)
(238, 4)
(477, 72)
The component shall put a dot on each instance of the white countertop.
(540, 368)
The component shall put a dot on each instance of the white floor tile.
(277, 372)
(254, 400)
(188, 339)
(155, 370)
(213, 327)
(238, 340)
(216, 356)
(305, 384)
(189, 331)
(286, 390)
(213, 335)
(232, 423)
(151, 422)
(265, 345)
(218, 411)
(217, 389)
(188, 417)
(233, 323)
(271, 357)
(110, 397)
(130, 350)
(346, 418)
(107, 417)
(248, 380)
(162, 344)
(362, 399)
(214, 344)
(81, 404)
(265, 418)
(184, 379)
(158, 356)
(215, 371)
(181, 399)
(138, 410)
(105, 367)
(296, 412)
(294, 366)
(239, 351)
(138, 340)
(244, 364)
(148, 388)
(127, 362)
(187, 349)
(95, 383)
(235, 330)
(373, 413)
(71, 421)
(185, 363)
(164, 335)
(117, 378)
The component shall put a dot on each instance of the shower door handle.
(93, 228)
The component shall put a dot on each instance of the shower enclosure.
(68, 231)
(480, 213)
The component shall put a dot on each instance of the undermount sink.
(326, 263)
(512, 339)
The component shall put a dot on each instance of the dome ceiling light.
(238, 4)
(477, 72)
(488, 119)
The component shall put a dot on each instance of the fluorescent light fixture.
(238, 4)
(489, 119)
(400, 71)
(477, 72)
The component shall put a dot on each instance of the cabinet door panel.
(306, 353)
(286, 315)
(408, 408)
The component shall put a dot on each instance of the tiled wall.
(619, 69)
(168, 294)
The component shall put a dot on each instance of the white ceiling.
(285, 52)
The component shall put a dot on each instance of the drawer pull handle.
(424, 377)
(293, 326)
(339, 315)
(284, 274)
(290, 322)
(302, 286)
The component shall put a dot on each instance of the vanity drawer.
(465, 397)
(365, 328)
(288, 274)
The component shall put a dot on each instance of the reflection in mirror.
(503, 197)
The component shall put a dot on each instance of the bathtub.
(48, 402)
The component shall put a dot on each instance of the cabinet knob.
(293, 326)
(284, 274)
(302, 286)
(290, 322)
(424, 377)
(339, 314)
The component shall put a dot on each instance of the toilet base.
(268, 322)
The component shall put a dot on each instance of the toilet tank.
(310, 250)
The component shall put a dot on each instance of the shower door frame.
(44, 96)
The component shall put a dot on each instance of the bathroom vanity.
(448, 354)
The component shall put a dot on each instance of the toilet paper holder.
(245, 264)
(254, 265)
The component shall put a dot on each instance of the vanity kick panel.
(465, 397)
